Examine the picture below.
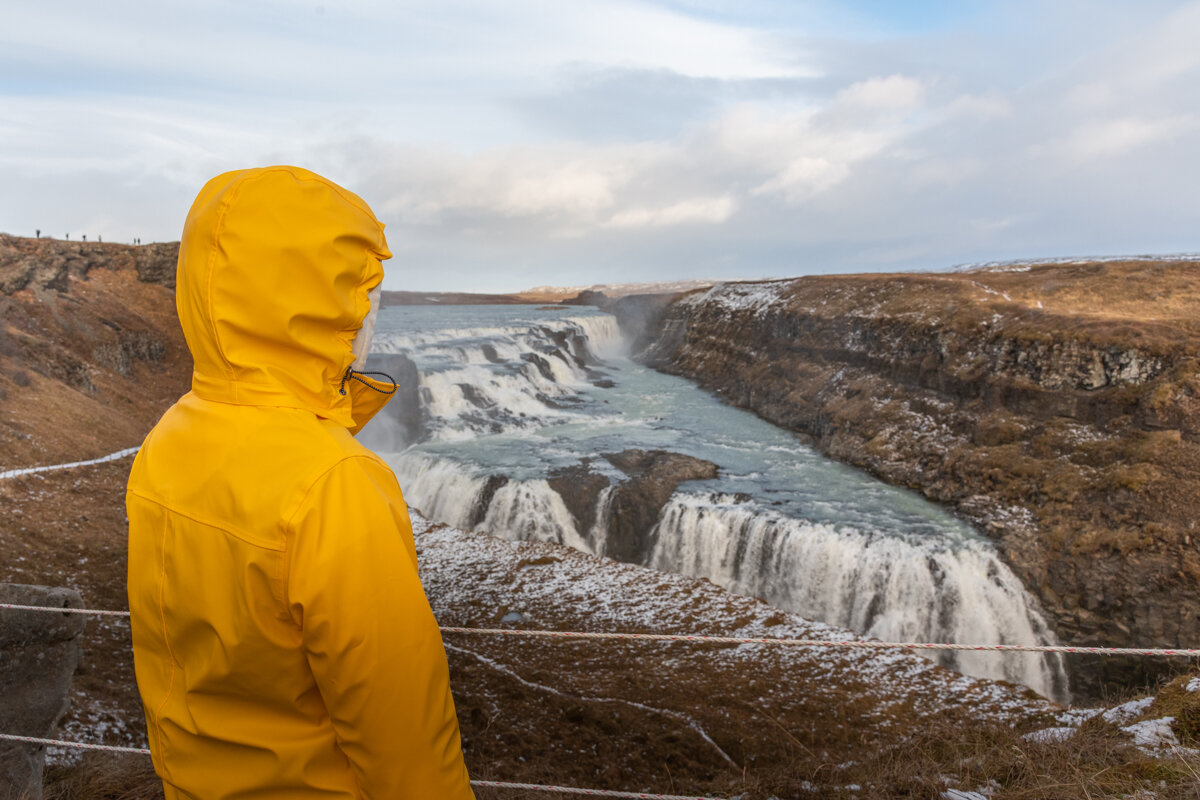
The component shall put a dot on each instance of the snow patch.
(1075, 717)
(1153, 735)
(1026, 264)
(1049, 735)
(756, 297)
(1127, 711)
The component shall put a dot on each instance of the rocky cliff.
(1057, 407)
(90, 347)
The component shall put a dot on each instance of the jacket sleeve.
(370, 637)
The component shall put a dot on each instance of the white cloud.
(702, 177)
(805, 176)
(1112, 138)
(893, 93)
(709, 210)
(940, 173)
(980, 107)
(565, 185)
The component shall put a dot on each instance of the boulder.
(38, 654)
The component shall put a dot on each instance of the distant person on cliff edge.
(282, 641)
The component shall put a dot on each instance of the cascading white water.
(504, 405)
(531, 510)
(480, 380)
(599, 530)
(603, 335)
(898, 589)
(443, 489)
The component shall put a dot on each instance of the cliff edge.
(1055, 406)
(90, 347)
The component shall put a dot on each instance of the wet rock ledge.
(636, 502)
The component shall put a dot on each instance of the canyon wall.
(91, 352)
(1057, 407)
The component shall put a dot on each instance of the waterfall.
(532, 510)
(603, 335)
(503, 406)
(598, 534)
(442, 489)
(482, 380)
(889, 587)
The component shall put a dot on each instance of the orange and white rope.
(737, 640)
(533, 787)
(13, 473)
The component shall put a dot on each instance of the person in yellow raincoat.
(283, 644)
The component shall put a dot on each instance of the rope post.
(38, 656)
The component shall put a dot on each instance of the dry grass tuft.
(104, 776)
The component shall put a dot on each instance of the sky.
(523, 143)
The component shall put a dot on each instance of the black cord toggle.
(352, 375)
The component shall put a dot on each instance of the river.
(519, 392)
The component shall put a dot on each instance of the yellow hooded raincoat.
(282, 641)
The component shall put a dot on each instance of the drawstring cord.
(352, 375)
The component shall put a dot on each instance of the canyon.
(1056, 407)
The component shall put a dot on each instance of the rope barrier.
(65, 610)
(533, 787)
(674, 637)
(12, 473)
(669, 637)
(589, 792)
(81, 745)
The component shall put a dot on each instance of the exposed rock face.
(588, 297)
(38, 655)
(641, 317)
(1058, 408)
(636, 503)
(90, 347)
(580, 490)
(484, 499)
(51, 263)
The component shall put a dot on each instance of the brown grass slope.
(90, 348)
(1057, 407)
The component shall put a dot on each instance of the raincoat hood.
(275, 266)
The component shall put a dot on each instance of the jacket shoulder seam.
(369, 457)
(289, 527)
(235, 533)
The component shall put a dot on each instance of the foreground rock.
(636, 503)
(1057, 407)
(38, 655)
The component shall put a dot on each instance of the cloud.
(699, 177)
(710, 210)
(893, 93)
(507, 144)
(1111, 138)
